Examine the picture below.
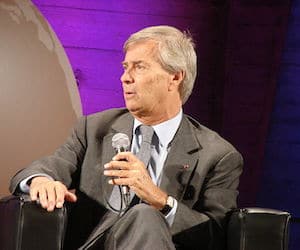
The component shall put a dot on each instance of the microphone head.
(120, 142)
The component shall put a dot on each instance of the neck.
(152, 119)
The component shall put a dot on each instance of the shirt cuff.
(171, 215)
(24, 187)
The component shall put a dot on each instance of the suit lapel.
(181, 161)
(123, 125)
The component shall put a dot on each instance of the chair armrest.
(258, 228)
(26, 225)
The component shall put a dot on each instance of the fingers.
(125, 161)
(128, 156)
(33, 194)
(60, 193)
(126, 169)
(121, 173)
(49, 199)
(35, 187)
(42, 195)
(118, 165)
(131, 178)
(50, 193)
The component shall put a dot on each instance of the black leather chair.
(25, 225)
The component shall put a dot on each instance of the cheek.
(152, 88)
(161, 85)
(145, 86)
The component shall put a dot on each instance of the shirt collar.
(165, 131)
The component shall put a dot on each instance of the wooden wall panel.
(96, 69)
(238, 43)
(97, 99)
(93, 33)
(175, 8)
(95, 29)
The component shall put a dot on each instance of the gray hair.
(176, 52)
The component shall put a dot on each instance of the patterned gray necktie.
(144, 155)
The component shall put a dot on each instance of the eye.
(140, 67)
(124, 67)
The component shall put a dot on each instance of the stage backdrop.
(39, 100)
(239, 45)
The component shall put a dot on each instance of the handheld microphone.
(120, 142)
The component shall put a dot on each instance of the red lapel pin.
(186, 166)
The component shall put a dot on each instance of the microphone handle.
(125, 189)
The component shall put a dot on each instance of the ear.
(176, 80)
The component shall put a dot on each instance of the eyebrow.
(124, 63)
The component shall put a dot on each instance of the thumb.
(69, 196)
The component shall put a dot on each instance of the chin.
(131, 108)
(131, 104)
(136, 111)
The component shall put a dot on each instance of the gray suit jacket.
(201, 170)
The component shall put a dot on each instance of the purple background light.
(93, 33)
(240, 46)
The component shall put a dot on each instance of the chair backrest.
(259, 229)
(26, 225)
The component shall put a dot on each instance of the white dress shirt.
(164, 134)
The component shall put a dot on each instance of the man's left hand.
(126, 169)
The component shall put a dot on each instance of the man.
(190, 181)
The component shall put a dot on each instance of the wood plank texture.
(96, 69)
(239, 43)
(95, 29)
(175, 8)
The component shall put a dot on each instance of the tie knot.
(147, 133)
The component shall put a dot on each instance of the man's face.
(145, 83)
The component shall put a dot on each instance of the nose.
(126, 77)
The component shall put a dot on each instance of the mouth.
(129, 94)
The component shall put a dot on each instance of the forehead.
(141, 51)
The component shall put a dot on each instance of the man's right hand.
(50, 193)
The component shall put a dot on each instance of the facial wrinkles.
(149, 86)
(156, 91)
